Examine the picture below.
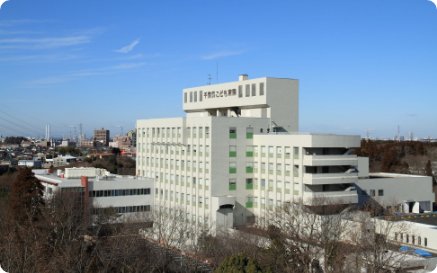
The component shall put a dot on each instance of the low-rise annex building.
(237, 156)
(129, 196)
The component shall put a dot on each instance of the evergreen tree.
(26, 197)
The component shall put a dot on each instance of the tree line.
(58, 235)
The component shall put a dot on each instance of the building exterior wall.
(237, 155)
(126, 194)
(214, 157)
(396, 189)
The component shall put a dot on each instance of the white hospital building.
(238, 155)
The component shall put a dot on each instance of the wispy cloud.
(221, 54)
(128, 48)
(51, 80)
(44, 43)
(17, 22)
(42, 58)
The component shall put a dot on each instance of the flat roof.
(53, 178)
(392, 175)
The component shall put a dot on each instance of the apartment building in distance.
(237, 156)
(101, 136)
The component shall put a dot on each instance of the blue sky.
(363, 66)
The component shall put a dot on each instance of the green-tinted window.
(232, 167)
(233, 133)
(249, 183)
(232, 151)
(249, 154)
(232, 184)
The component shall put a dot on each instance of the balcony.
(329, 178)
(330, 197)
(330, 160)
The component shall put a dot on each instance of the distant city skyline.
(364, 67)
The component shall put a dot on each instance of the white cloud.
(43, 43)
(43, 58)
(83, 73)
(221, 54)
(128, 48)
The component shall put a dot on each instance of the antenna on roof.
(209, 79)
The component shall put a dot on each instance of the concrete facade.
(237, 155)
(127, 195)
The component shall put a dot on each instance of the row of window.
(126, 209)
(406, 239)
(174, 178)
(233, 132)
(250, 90)
(174, 164)
(174, 132)
(373, 192)
(252, 150)
(181, 197)
(122, 192)
(252, 167)
(252, 183)
(163, 150)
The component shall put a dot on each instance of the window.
(380, 192)
(279, 151)
(278, 168)
(261, 89)
(253, 89)
(232, 133)
(249, 133)
(232, 184)
(185, 97)
(372, 193)
(206, 132)
(249, 167)
(287, 152)
(240, 91)
(270, 168)
(295, 152)
(249, 151)
(232, 151)
(249, 202)
(419, 240)
(200, 95)
(263, 183)
(247, 90)
(191, 96)
(249, 183)
(295, 170)
(232, 167)
(195, 96)
(426, 241)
